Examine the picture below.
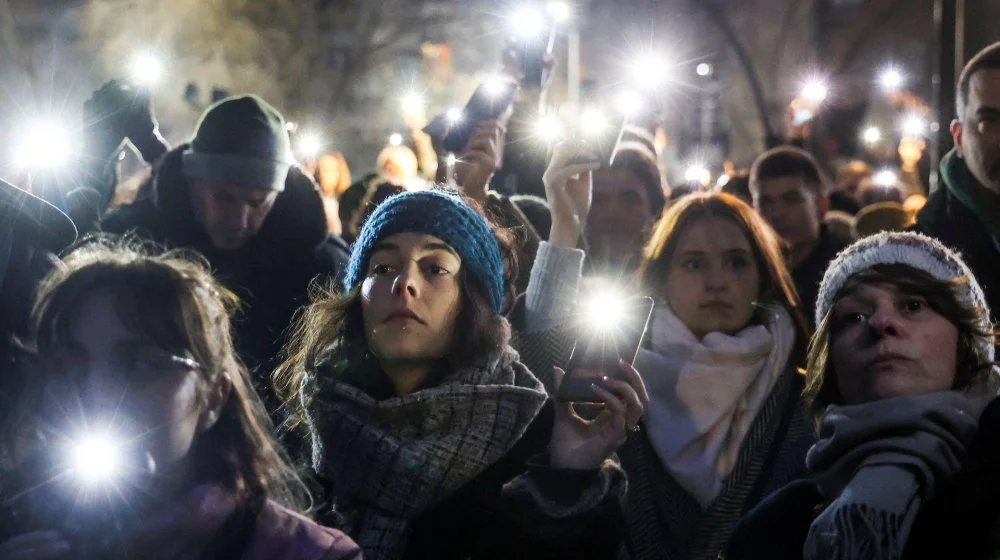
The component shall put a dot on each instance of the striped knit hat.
(912, 249)
(444, 216)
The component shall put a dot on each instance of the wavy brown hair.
(776, 286)
(943, 296)
(171, 299)
(329, 333)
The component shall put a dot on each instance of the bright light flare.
(697, 173)
(412, 103)
(454, 115)
(451, 160)
(311, 144)
(495, 85)
(146, 69)
(815, 91)
(871, 135)
(892, 80)
(561, 12)
(527, 23)
(548, 128)
(914, 125)
(44, 145)
(648, 71)
(605, 310)
(704, 69)
(885, 178)
(628, 103)
(96, 459)
(593, 123)
(396, 139)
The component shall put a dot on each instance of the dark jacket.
(809, 273)
(947, 219)
(666, 522)
(482, 520)
(960, 521)
(663, 521)
(271, 274)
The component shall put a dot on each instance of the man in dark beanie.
(628, 199)
(235, 195)
(964, 212)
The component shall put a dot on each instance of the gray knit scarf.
(392, 460)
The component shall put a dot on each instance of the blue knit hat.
(444, 216)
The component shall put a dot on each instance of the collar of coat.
(296, 220)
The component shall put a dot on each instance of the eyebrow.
(735, 250)
(988, 111)
(387, 246)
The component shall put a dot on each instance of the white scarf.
(704, 395)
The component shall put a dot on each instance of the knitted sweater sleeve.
(552, 287)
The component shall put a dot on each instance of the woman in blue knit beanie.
(433, 439)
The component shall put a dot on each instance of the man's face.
(792, 207)
(230, 214)
(620, 216)
(977, 132)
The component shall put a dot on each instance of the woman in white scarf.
(721, 364)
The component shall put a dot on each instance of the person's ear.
(216, 399)
(956, 134)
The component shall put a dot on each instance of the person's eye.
(847, 318)
(739, 263)
(381, 269)
(914, 305)
(691, 264)
(437, 270)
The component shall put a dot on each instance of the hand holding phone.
(490, 101)
(600, 347)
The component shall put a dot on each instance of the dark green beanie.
(240, 141)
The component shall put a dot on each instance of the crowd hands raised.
(256, 358)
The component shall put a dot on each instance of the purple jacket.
(281, 534)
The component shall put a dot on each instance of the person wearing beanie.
(900, 370)
(628, 199)
(965, 213)
(234, 194)
(790, 191)
(435, 440)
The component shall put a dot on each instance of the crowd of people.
(254, 357)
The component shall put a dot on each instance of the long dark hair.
(776, 286)
(173, 300)
(329, 333)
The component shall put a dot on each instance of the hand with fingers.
(585, 444)
(569, 189)
(118, 110)
(480, 159)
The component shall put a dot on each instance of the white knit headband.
(912, 249)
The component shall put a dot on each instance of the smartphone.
(596, 353)
(488, 102)
(605, 145)
(532, 55)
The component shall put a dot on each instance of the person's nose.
(407, 282)
(885, 321)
